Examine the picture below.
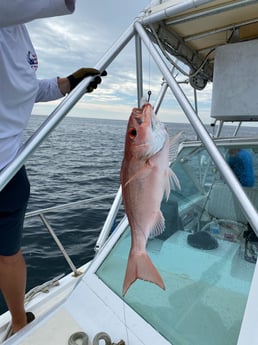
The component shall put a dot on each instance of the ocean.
(79, 160)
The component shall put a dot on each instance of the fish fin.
(158, 227)
(168, 185)
(140, 267)
(173, 181)
(131, 179)
(139, 172)
(173, 146)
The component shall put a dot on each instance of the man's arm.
(13, 12)
(51, 89)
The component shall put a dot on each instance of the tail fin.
(140, 267)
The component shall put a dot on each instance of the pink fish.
(145, 177)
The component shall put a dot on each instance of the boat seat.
(222, 204)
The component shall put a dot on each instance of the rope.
(84, 339)
(78, 336)
(102, 336)
(43, 288)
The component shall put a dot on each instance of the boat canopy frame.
(140, 29)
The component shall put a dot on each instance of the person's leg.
(13, 203)
(12, 285)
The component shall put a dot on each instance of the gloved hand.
(76, 77)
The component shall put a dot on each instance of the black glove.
(76, 77)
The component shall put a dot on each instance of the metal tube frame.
(161, 95)
(175, 9)
(49, 125)
(139, 78)
(212, 11)
(61, 111)
(68, 102)
(59, 244)
(109, 221)
(199, 128)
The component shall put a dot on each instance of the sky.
(67, 43)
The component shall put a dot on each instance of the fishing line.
(148, 99)
(149, 65)
(127, 334)
(149, 70)
(126, 328)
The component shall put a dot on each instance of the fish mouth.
(144, 114)
(139, 115)
(145, 117)
(132, 133)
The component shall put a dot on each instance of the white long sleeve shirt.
(19, 86)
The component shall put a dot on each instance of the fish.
(145, 178)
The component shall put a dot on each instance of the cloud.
(66, 43)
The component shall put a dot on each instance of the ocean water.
(79, 160)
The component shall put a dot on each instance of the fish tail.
(140, 267)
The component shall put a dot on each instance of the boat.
(208, 252)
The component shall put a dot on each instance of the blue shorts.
(13, 203)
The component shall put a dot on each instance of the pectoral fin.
(158, 227)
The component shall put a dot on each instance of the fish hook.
(149, 94)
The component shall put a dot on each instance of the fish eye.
(132, 133)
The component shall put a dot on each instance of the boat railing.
(53, 120)
(50, 124)
(60, 112)
(141, 35)
(106, 230)
(110, 220)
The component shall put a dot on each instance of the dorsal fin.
(172, 183)
(173, 146)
